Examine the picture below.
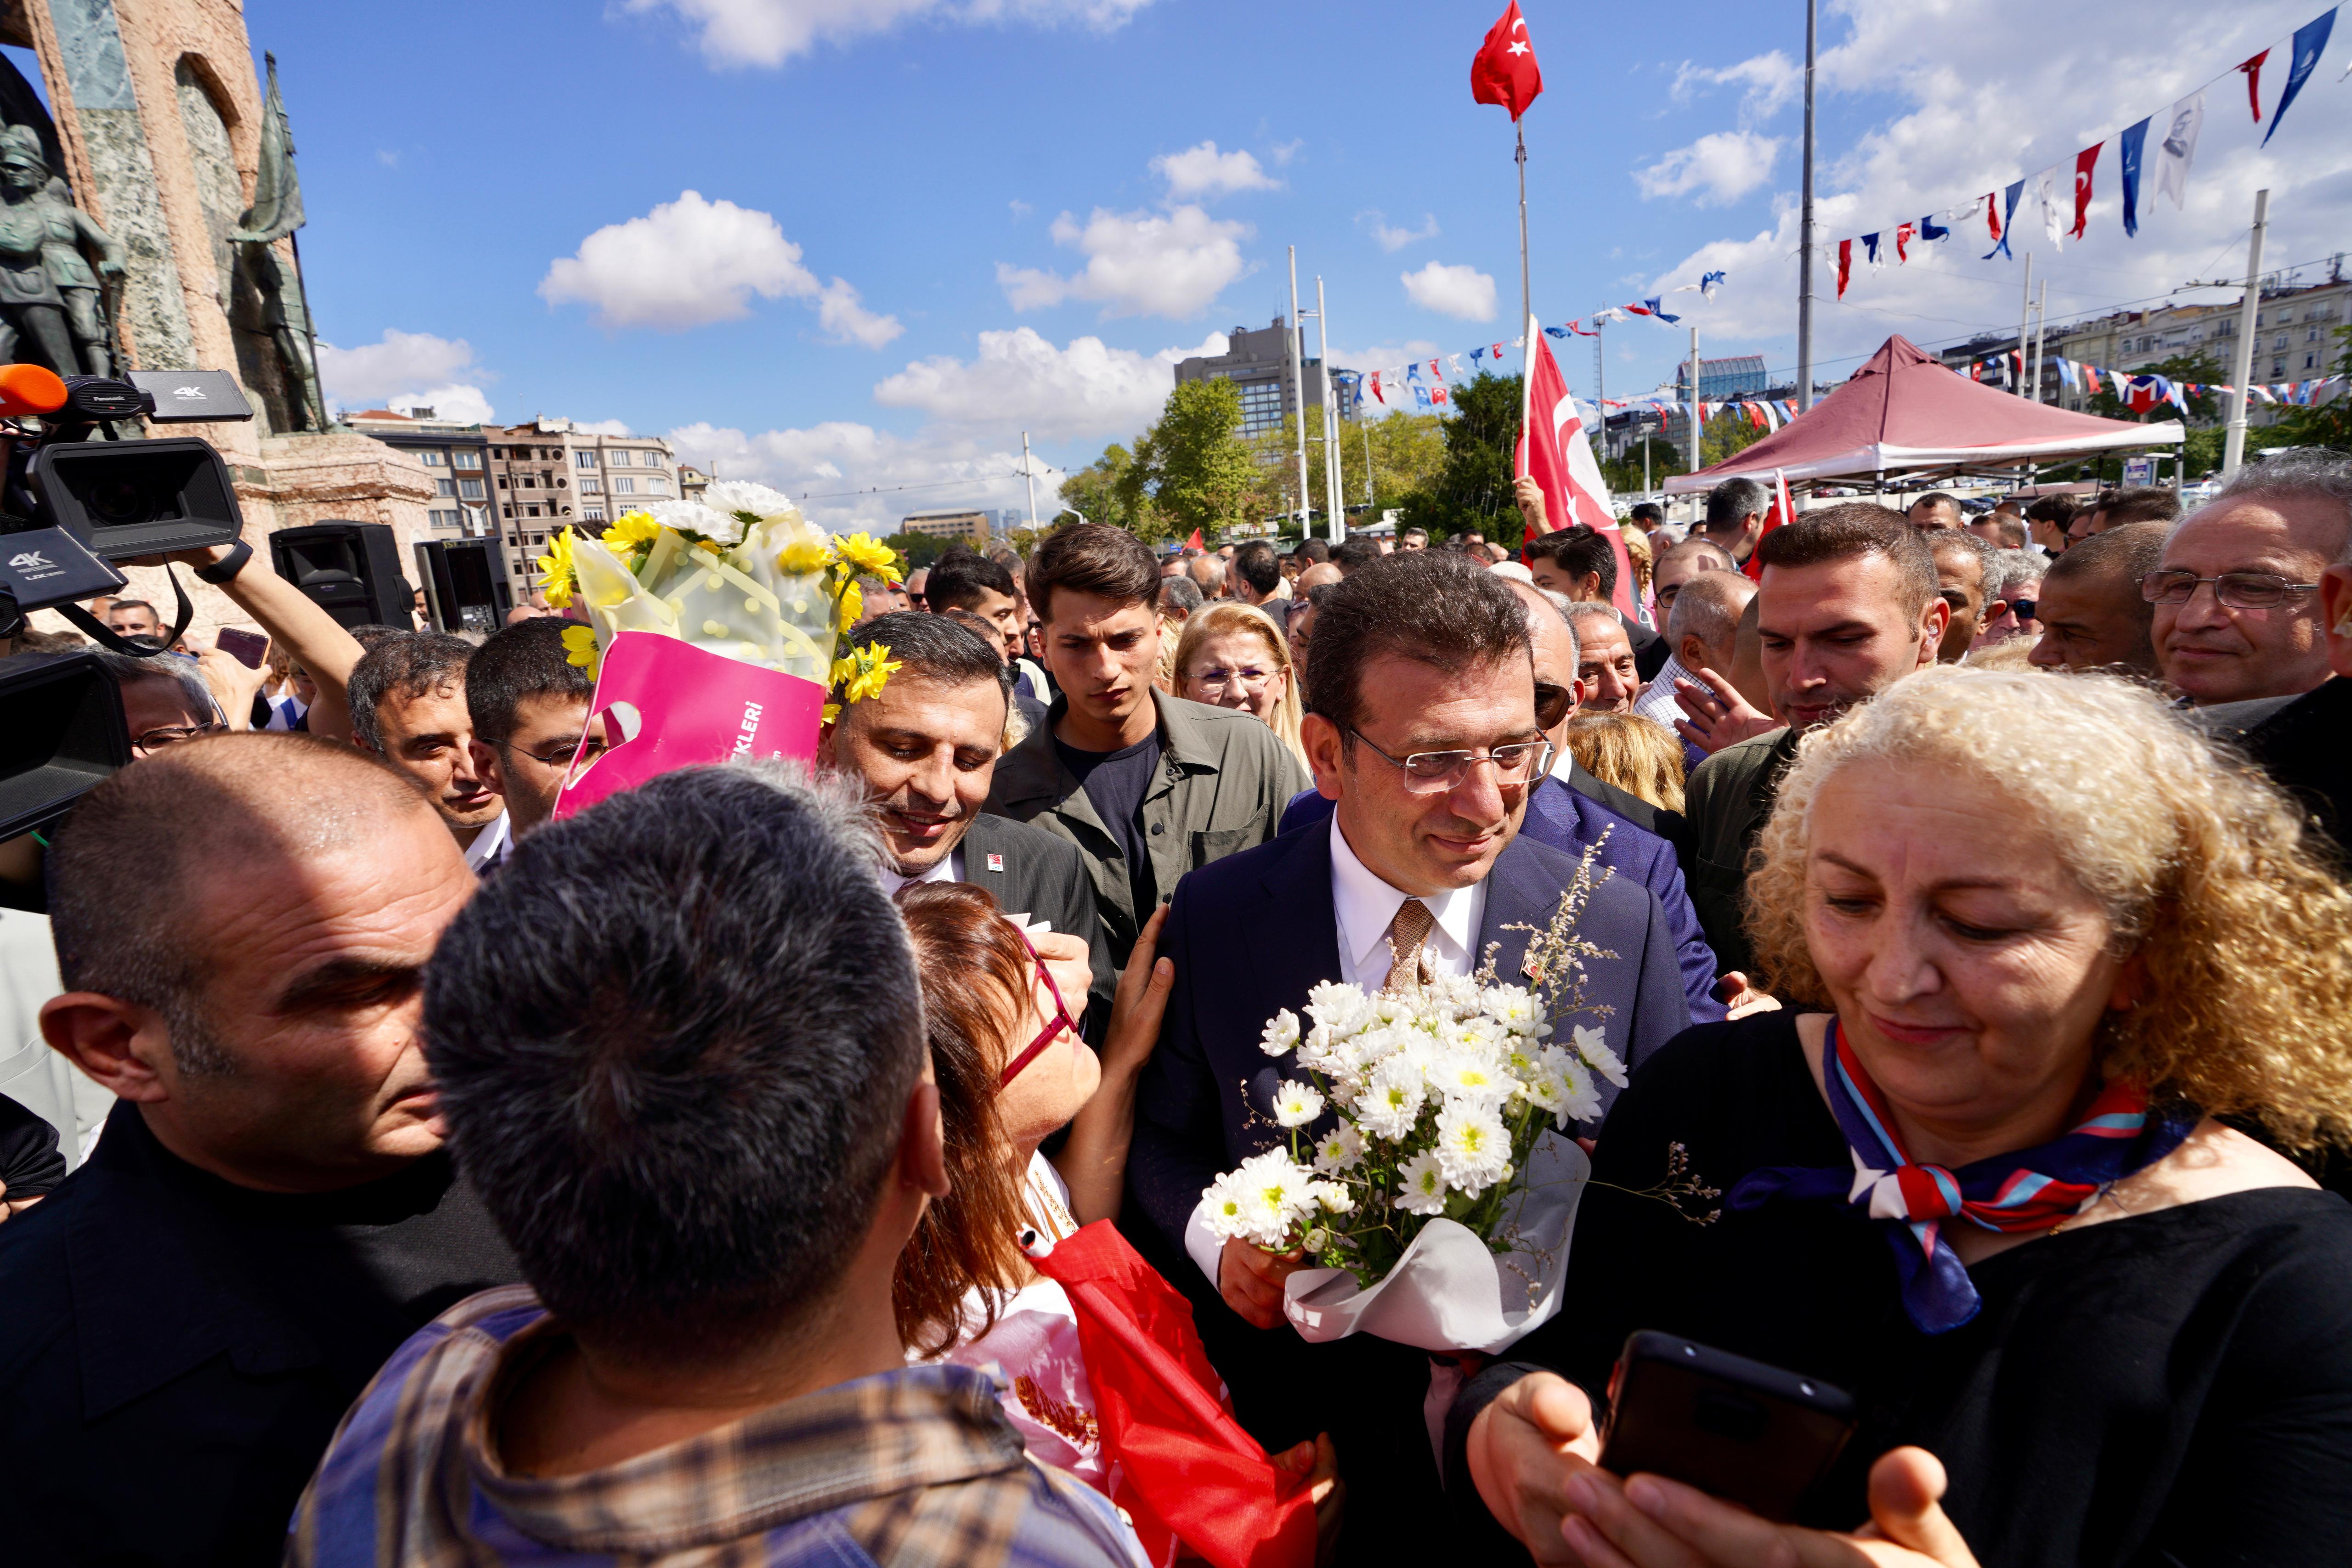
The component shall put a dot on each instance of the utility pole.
(1029, 474)
(1365, 422)
(1526, 305)
(2024, 310)
(1298, 391)
(2041, 331)
(1335, 497)
(1697, 408)
(1805, 236)
(2233, 445)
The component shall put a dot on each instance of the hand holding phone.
(1753, 1434)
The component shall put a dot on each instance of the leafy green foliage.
(1190, 470)
(2204, 408)
(1471, 490)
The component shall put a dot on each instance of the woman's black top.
(2175, 1388)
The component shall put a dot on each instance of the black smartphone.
(1735, 1429)
(248, 648)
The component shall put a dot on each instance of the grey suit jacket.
(1030, 872)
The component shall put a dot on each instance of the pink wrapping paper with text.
(679, 706)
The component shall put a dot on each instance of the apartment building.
(553, 471)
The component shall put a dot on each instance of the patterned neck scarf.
(2031, 1189)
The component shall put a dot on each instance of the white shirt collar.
(949, 867)
(1364, 905)
(489, 845)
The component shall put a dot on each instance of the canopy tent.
(1908, 412)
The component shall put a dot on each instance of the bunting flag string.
(2175, 150)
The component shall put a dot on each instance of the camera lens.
(121, 501)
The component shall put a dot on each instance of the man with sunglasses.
(1423, 729)
(529, 705)
(2236, 593)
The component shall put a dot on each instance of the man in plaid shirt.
(680, 1051)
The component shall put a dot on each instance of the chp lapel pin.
(996, 863)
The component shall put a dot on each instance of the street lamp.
(1072, 510)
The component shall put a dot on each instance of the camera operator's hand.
(306, 633)
(233, 686)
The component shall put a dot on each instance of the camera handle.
(99, 631)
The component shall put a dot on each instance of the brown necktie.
(1408, 962)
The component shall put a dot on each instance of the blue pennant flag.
(1708, 283)
(1555, 331)
(1477, 354)
(1930, 229)
(2310, 43)
(2007, 220)
(1658, 312)
(2130, 146)
(1870, 248)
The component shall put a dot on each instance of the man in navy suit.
(1423, 731)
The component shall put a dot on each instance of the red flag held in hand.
(1503, 70)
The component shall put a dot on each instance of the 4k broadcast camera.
(71, 506)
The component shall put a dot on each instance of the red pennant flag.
(1845, 264)
(1992, 214)
(1376, 390)
(1784, 511)
(1182, 1467)
(2254, 69)
(1195, 542)
(2084, 161)
(1554, 449)
(1504, 69)
(1903, 244)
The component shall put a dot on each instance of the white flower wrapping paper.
(739, 601)
(1449, 1291)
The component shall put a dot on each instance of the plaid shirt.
(905, 1469)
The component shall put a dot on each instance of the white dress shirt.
(1656, 702)
(1364, 906)
(490, 845)
(949, 867)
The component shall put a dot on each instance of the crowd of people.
(396, 1174)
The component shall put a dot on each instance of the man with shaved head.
(2092, 614)
(241, 923)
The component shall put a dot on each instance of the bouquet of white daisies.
(1425, 1167)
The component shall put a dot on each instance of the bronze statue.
(51, 302)
(276, 307)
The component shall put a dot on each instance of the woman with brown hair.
(1012, 1069)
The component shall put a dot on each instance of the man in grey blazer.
(927, 749)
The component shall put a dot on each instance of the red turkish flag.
(1555, 451)
(1503, 70)
(2084, 161)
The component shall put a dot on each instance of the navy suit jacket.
(1253, 933)
(1569, 821)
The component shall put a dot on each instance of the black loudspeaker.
(352, 570)
(464, 590)
(64, 733)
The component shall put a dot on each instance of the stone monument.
(151, 227)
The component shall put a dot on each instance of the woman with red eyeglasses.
(1011, 1070)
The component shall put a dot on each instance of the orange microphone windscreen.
(29, 389)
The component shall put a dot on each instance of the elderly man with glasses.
(1424, 734)
(2236, 592)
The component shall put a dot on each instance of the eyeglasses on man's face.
(2236, 589)
(560, 756)
(1430, 773)
(172, 735)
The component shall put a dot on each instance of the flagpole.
(1805, 240)
(1698, 408)
(2041, 333)
(1527, 298)
(1335, 496)
(1298, 391)
(2024, 310)
(2233, 445)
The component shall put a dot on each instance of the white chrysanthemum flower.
(1513, 1007)
(1422, 1186)
(1334, 1197)
(694, 518)
(1579, 1100)
(1281, 1034)
(1390, 1102)
(1224, 1213)
(1474, 1148)
(1296, 1104)
(1545, 1090)
(1592, 1046)
(1341, 1008)
(1462, 1076)
(1339, 1149)
(1273, 1195)
(732, 496)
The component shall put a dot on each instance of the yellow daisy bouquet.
(739, 572)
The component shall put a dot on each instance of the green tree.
(1471, 492)
(1191, 467)
(917, 549)
(1407, 452)
(1725, 435)
(2328, 424)
(1626, 474)
(1098, 489)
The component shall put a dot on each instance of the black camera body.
(129, 499)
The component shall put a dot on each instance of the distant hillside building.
(1741, 376)
(969, 525)
(1259, 364)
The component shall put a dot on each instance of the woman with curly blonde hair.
(1978, 1174)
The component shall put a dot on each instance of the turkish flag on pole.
(1783, 511)
(1557, 453)
(1503, 70)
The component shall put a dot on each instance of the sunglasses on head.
(1062, 1019)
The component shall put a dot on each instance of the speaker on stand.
(464, 590)
(352, 570)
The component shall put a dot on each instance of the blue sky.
(875, 284)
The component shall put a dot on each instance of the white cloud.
(850, 476)
(1771, 82)
(1203, 171)
(1393, 239)
(692, 262)
(1020, 380)
(1459, 291)
(1138, 263)
(458, 402)
(603, 426)
(405, 370)
(1021, 209)
(770, 32)
(1722, 167)
(1284, 151)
